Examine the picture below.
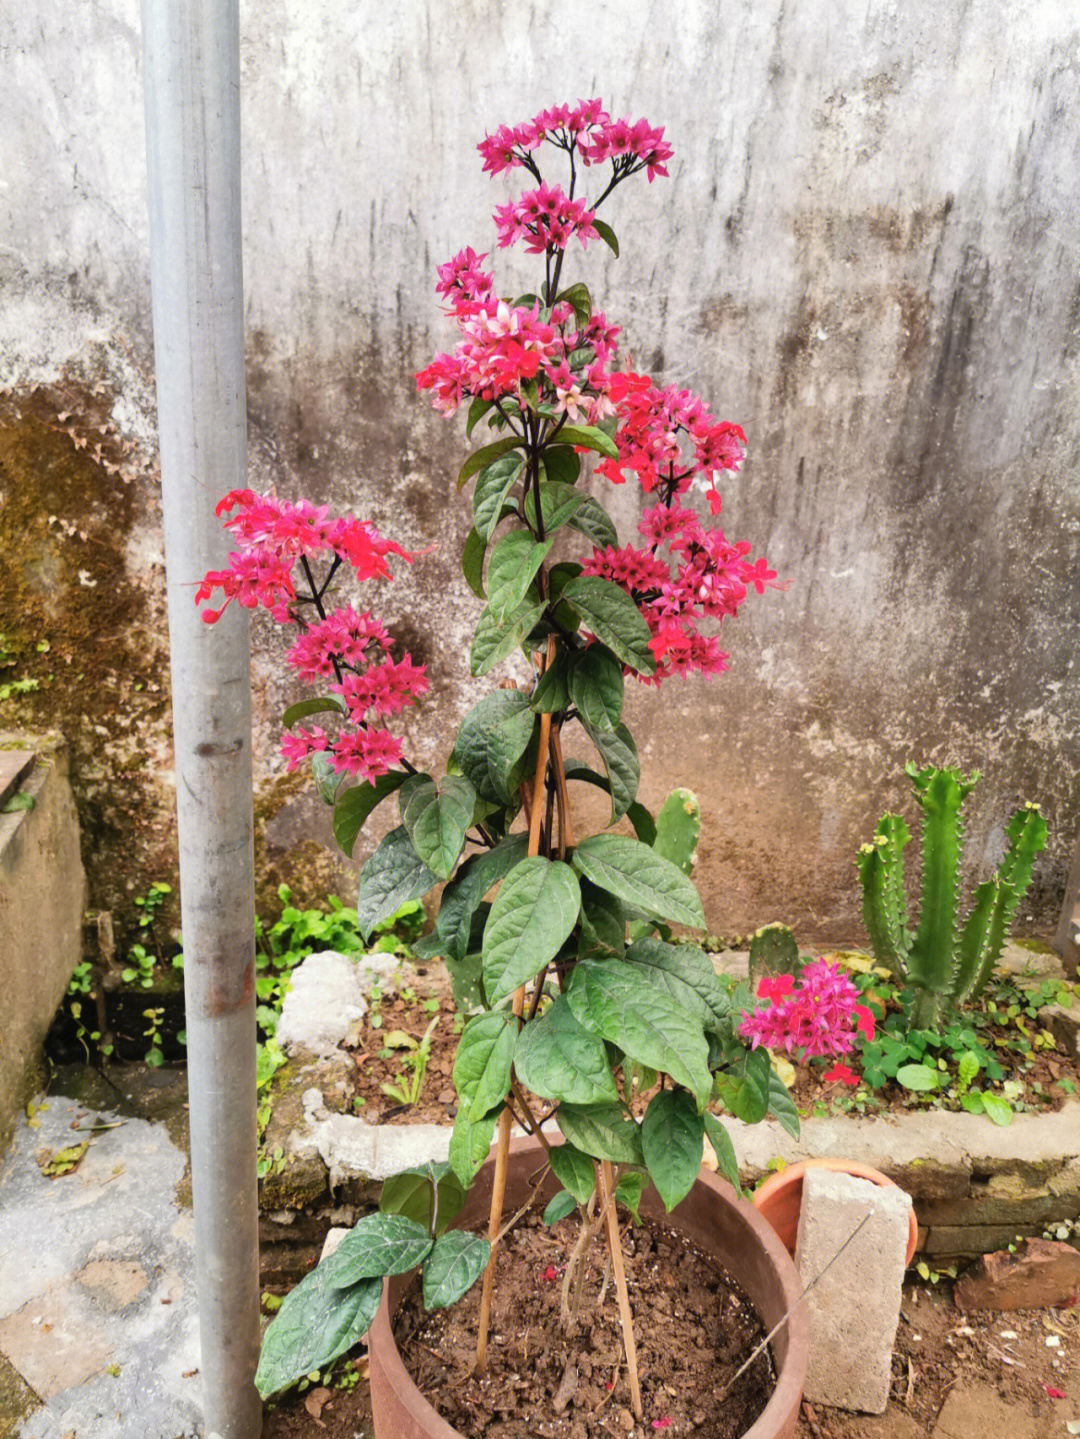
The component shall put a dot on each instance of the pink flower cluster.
(274, 535)
(818, 1015)
(585, 128)
(546, 218)
(503, 347)
(699, 576)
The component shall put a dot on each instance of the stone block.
(967, 1241)
(1040, 1274)
(325, 1000)
(857, 1274)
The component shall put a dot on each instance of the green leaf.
(316, 1323)
(378, 1244)
(613, 618)
(629, 1190)
(557, 1059)
(477, 410)
(514, 562)
(558, 1208)
(671, 1136)
(561, 464)
(744, 1089)
(722, 1147)
(493, 737)
(615, 1000)
(593, 522)
(917, 1077)
(596, 686)
(532, 916)
(967, 1067)
(635, 873)
(328, 779)
(303, 708)
(552, 691)
(607, 234)
(470, 1143)
(619, 754)
(496, 638)
(413, 1192)
(573, 1170)
(472, 563)
(603, 920)
(684, 972)
(972, 1102)
(492, 487)
(463, 894)
(998, 1109)
(453, 1267)
(353, 807)
(578, 296)
(479, 458)
(558, 505)
(482, 1065)
(437, 817)
(603, 1130)
(393, 875)
(588, 437)
(781, 1104)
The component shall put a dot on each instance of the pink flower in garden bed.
(816, 1015)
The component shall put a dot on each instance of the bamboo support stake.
(626, 1318)
(498, 1186)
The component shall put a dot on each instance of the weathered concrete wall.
(867, 254)
(42, 896)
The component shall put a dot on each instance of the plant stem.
(605, 1182)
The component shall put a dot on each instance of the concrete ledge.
(42, 897)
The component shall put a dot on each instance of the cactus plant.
(677, 827)
(943, 963)
(773, 951)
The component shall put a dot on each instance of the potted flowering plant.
(587, 1011)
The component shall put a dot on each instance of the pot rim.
(791, 1374)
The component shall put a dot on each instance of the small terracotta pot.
(728, 1228)
(780, 1198)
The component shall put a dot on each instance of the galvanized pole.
(191, 54)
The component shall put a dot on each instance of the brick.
(854, 1307)
(1039, 1275)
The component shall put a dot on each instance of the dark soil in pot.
(694, 1328)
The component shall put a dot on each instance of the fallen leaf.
(315, 1403)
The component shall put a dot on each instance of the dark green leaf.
(482, 1065)
(493, 737)
(573, 1170)
(453, 1267)
(643, 822)
(557, 1059)
(472, 563)
(588, 437)
(354, 806)
(596, 686)
(378, 1244)
(561, 464)
(578, 296)
(496, 638)
(685, 973)
(558, 504)
(493, 484)
(629, 1190)
(314, 1326)
(533, 914)
(782, 1105)
(635, 873)
(468, 887)
(671, 1136)
(412, 1193)
(393, 875)
(479, 458)
(303, 708)
(470, 1143)
(563, 1204)
(603, 920)
(722, 1147)
(593, 522)
(477, 410)
(615, 1000)
(744, 1090)
(613, 618)
(437, 817)
(603, 1130)
(514, 562)
(607, 234)
(617, 750)
(328, 778)
(552, 692)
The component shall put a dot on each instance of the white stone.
(382, 970)
(331, 1242)
(325, 998)
(853, 1286)
(350, 1146)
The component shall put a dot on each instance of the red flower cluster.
(275, 535)
(586, 128)
(816, 1016)
(546, 218)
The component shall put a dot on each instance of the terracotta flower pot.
(780, 1198)
(728, 1228)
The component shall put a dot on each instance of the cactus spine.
(945, 965)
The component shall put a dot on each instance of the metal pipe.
(191, 55)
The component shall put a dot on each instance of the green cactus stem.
(677, 828)
(881, 872)
(773, 951)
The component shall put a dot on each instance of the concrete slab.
(973, 1411)
(97, 1300)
